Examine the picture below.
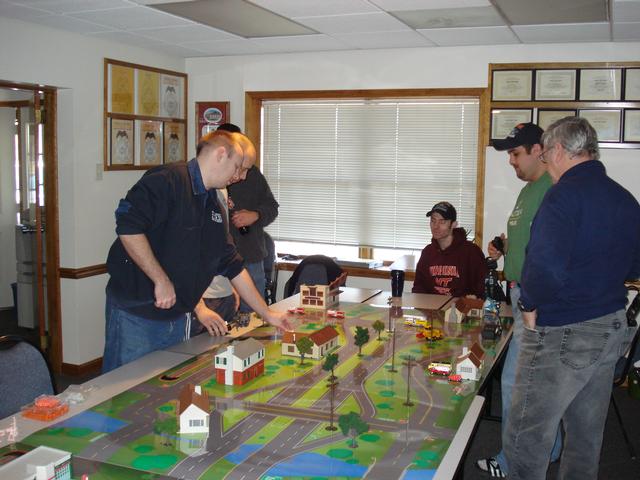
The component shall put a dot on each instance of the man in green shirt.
(524, 149)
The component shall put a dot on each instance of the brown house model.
(463, 308)
(193, 410)
(321, 297)
(323, 340)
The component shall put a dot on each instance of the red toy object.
(335, 313)
(45, 408)
(454, 377)
(298, 310)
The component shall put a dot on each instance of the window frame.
(255, 99)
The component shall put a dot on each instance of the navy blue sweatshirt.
(585, 242)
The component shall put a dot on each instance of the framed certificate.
(631, 125)
(503, 120)
(511, 85)
(601, 84)
(632, 84)
(606, 122)
(547, 116)
(555, 85)
(149, 141)
(121, 142)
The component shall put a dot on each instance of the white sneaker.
(491, 466)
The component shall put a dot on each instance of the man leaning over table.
(585, 242)
(171, 243)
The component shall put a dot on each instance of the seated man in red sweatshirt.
(450, 264)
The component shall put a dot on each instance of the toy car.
(454, 377)
(439, 368)
(298, 310)
(430, 335)
(335, 313)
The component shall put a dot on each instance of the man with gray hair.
(585, 242)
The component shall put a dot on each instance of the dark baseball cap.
(522, 134)
(445, 209)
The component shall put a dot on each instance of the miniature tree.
(352, 425)
(330, 362)
(378, 326)
(305, 346)
(361, 337)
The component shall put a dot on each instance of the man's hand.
(214, 323)
(529, 319)
(165, 294)
(278, 320)
(244, 218)
(493, 251)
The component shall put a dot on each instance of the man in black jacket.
(171, 242)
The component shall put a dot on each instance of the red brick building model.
(321, 297)
(239, 362)
(324, 340)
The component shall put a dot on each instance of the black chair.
(313, 270)
(625, 363)
(270, 272)
(25, 374)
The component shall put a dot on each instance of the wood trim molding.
(15, 103)
(94, 366)
(83, 272)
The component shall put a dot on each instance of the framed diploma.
(555, 85)
(503, 120)
(632, 84)
(632, 125)
(601, 84)
(606, 122)
(547, 116)
(174, 142)
(121, 142)
(149, 140)
(511, 85)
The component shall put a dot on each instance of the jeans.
(563, 373)
(128, 336)
(509, 377)
(225, 307)
(256, 271)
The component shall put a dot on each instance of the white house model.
(469, 364)
(462, 308)
(41, 463)
(321, 297)
(324, 340)
(239, 362)
(193, 410)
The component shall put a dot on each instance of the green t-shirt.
(519, 225)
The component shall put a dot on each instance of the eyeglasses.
(541, 156)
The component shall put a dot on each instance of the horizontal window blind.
(365, 172)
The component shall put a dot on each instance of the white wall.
(74, 63)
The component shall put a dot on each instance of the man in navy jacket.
(585, 242)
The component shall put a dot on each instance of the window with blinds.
(365, 172)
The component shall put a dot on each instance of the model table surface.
(275, 425)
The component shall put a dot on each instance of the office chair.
(313, 270)
(25, 374)
(270, 272)
(625, 363)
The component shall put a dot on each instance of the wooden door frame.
(52, 246)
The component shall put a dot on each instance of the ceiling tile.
(365, 40)
(62, 22)
(470, 36)
(451, 17)
(131, 18)
(227, 47)
(542, 12)
(20, 12)
(627, 11)
(177, 50)
(314, 8)
(399, 5)
(70, 6)
(579, 32)
(128, 38)
(360, 22)
(626, 31)
(185, 33)
(300, 43)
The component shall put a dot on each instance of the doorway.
(29, 269)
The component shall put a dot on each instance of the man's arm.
(210, 320)
(138, 248)
(247, 290)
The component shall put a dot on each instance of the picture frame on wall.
(121, 142)
(149, 141)
(631, 125)
(556, 85)
(546, 116)
(503, 120)
(511, 85)
(209, 116)
(600, 84)
(632, 84)
(606, 122)
(174, 142)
